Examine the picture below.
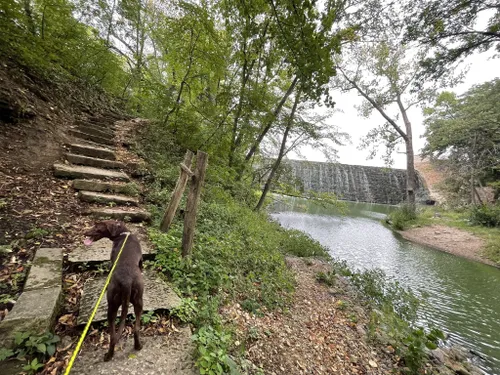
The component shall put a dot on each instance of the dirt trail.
(324, 331)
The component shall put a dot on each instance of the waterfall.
(355, 182)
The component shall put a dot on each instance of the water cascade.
(355, 182)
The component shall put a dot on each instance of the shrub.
(300, 244)
(403, 216)
(485, 215)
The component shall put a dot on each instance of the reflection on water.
(463, 297)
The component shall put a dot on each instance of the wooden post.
(192, 202)
(178, 191)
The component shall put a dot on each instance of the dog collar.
(122, 233)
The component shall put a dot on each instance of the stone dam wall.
(355, 182)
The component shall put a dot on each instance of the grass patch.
(464, 218)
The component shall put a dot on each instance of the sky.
(482, 68)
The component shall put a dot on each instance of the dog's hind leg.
(112, 312)
(137, 325)
(136, 300)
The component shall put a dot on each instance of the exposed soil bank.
(451, 240)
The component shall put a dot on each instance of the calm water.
(463, 297)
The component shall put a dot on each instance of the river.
(462, 296)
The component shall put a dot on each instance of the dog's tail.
(125, 302)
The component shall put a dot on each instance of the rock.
(438, 356)
(459, 369)
(161, 355)
(158, 295)
(34, 311)
(372, 363)
(94, 162)
(135, 215)
(76, 171)
(101, 186)
(91, 137)
(92, 151)
(94, 197)
(353, 359)
(46, 269)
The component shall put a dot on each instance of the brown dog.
(127, 284)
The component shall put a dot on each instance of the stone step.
(77, 171)
(38, 305)
(100, 251)
(95, 197)
(94, 162)
(158, 295)
(129, 189)
(91, 137)
(160, 355)
(92, 151)
(106, 124)
(133, 215)
(96, 130)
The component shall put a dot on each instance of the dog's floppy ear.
(114, 228)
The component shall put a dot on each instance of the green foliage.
(35, 346)
(37, 233)
(149, 317)
(6, 353)
(418, 342)
(393, 316)
(450, 30)
(328, 278)
(187, 310)
(46, 38)
(33, 366)
(300, 244)
(487, 215)
(403, 217)
(212, 347)
(465, 131)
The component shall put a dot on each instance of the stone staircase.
(101, 182)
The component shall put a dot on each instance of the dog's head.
(104, 229)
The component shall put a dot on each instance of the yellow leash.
(87, 326)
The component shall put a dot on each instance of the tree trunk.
(410, 162)
(168, 217)
(268, 126)
(277, 162)
(192, 203)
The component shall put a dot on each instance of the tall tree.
(465, 130)
(452, 29)
(384, 73)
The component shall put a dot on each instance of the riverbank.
(453, 232)
(451, 240)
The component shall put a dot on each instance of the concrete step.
(95, 197)
(158, 295)
(94, 162)
(101, 123)
(96, 130)
(100, 251)
(77, 171)
(91, 137)
(160, 355)
(123, 214)
(38, 305)
(92, 151)
(129, 189)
